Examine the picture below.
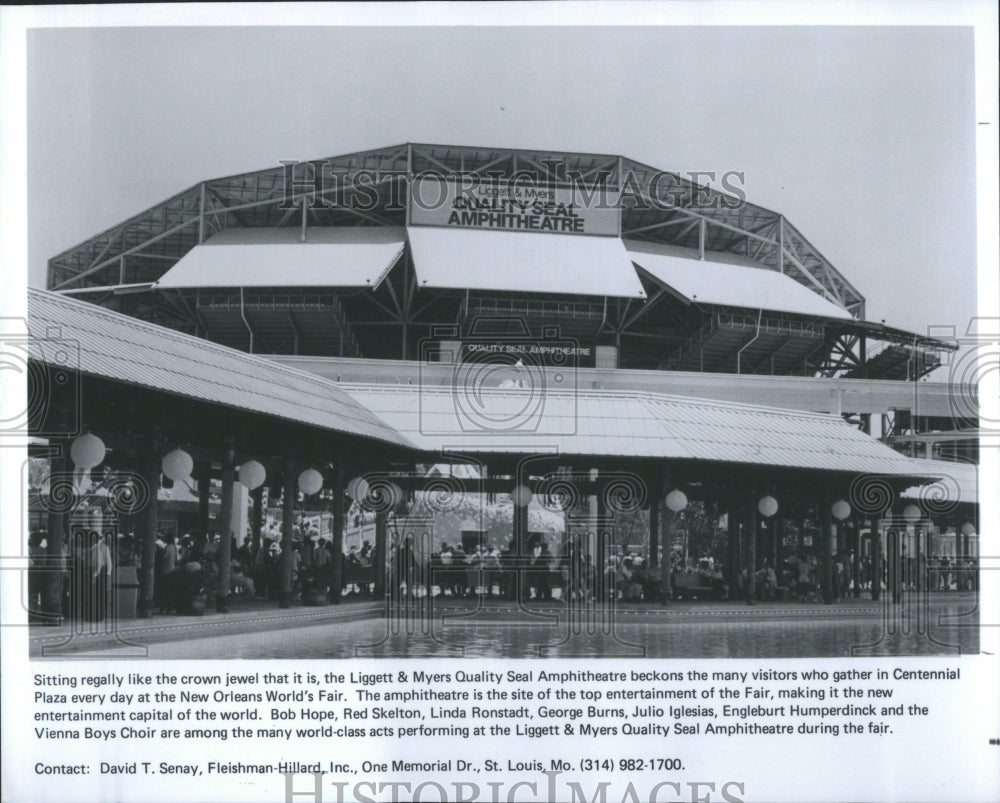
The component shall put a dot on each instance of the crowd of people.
(187, 572)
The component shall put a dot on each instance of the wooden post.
(204, 494)
(225, 526)
(776, 527)
(668, 520)
(150, 473)
(655, 501)
(895, 567)
(839, 540)
(750, 535)
(876, 561)
(733, 541)
(826, 545)
(381, 535)
(55, 550)
(856, 563)
(288, 495)
(601, 558)
(519, 523)
(339, 517)
(257, 495)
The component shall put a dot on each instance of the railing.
(533, 308)
(273, 301)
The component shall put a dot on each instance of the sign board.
(528, 352)
(509, 206)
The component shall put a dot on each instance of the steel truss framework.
(117, 267)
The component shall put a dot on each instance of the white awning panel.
(523, 262)
(730, 280)
(330, 257)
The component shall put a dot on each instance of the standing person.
(534, 582)
(541, 564)
(365, 561)
(210, 567)
(589, 578)
(445, 558)
(101, 568)
(296, 567)
(473, 563)
(491, 566)
(260, 568)
(165, 568)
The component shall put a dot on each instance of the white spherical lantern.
(767, 506)
(252, 474)
(177, 465)
(840, 510)
(87, 451)
(968, 529)
(357, 488)
(912, 514)
(310, 481)
(676, 500)
(521, 495)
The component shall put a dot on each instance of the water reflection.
(902, 633)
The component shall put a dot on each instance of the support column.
(257, 495)
(55, 551)
(876, 561)
(826, 545)
(381, 534)
(339, 518)
(668, 520)
(919, 558)
(149, 469)
(288, 494)
(655, 502)
(894, 572)
(519, 520)
(204, 495)
(733, 540)
(857, 521)
(601, 558)
(750, 536)
(225, 525)
(840, 542)
(519, 524)
(733, 536)
(776, 527)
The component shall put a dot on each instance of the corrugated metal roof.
(559, 419)
(594, 423)
(523, 262)
(954, 483)
(730, 280)
(329, 257)
(125, 349)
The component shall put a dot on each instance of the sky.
(863, 137)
